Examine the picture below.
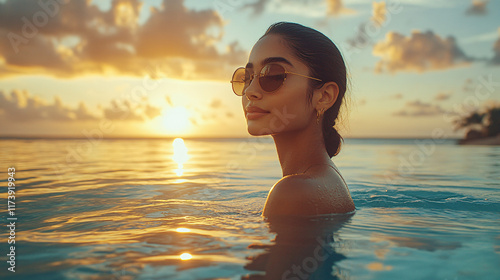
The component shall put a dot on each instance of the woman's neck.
(297, 150)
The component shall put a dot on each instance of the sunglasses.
(271, 78)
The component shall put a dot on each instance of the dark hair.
(325, 62)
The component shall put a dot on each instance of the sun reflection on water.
(180, 155)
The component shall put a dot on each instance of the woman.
(292, 88)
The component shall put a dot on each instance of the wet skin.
(291, 121)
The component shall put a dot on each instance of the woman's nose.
(253, 90)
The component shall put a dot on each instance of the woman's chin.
(257, 130)
(254, 133)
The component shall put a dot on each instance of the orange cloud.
(129, 111)
(379, 13)
(20, 106)
(336, 7)
(419, 52)
(76, 38)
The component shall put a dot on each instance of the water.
(131, 209)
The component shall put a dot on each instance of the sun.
(176, 119)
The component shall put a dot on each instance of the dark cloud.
(76, 38)
(477, 7)
(175, 31)
(418, 108)
(418, 52)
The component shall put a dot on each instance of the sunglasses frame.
(252, 77)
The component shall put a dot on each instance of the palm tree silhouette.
(480, 125)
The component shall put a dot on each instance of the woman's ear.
(325, 96)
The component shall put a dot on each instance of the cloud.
(124, 110)
(77, 38)
(419, 52)
(82, 113)
(21, 106)
(477, 7)
(336, 7)
(417, 108)
(151, 112)
(442, 96)
(379, 13)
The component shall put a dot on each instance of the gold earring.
(319, 114)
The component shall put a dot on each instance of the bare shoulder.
(306, 195)
(288, 195)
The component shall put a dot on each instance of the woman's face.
(287, 107)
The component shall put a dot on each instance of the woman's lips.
(255, 115)
(255, 112)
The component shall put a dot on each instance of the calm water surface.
(159, 209)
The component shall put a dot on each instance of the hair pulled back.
(325, 62)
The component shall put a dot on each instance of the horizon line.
(123, 137)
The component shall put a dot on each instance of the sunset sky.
(162, 68)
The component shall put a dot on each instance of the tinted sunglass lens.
(272, 77)
(238, 81)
